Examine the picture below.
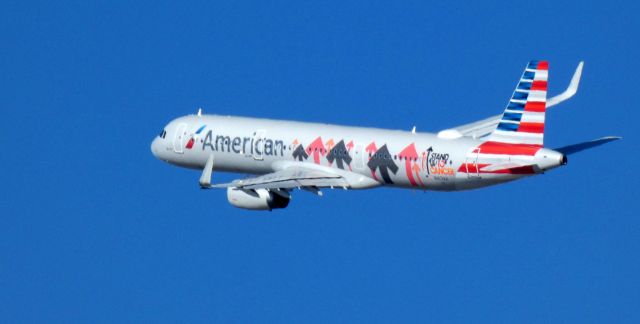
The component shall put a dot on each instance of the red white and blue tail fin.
(523, 120)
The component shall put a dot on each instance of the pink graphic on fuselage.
(316, 148)
(410, 155)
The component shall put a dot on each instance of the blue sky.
(94, 229)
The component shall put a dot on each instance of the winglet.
(571, 90)
(205, 178)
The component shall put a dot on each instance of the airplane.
(288, 155)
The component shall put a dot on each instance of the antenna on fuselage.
(199, 111)
(413, 130)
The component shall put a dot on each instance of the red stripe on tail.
(531, 127)
(539, 85)
(534, 106)
(543, 65)
(508, 148)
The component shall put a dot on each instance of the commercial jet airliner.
(288, 155)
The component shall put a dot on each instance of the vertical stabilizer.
(523, 120)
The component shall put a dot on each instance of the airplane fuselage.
(288, 155)
(379, 156)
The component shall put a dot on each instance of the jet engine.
(258, 199)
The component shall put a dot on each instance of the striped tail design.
(523, 119)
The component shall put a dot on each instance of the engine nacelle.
(258, 199)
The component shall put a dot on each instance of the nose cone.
(154, 147)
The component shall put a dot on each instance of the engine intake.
(257, 199)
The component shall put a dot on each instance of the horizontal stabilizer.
(570, 149)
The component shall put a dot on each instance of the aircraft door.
(472, 159)
(258, 144)
(179, 137)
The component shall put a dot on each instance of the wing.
(289, 178)
(291, 175)
(484, 127)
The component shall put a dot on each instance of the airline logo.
(192, 140)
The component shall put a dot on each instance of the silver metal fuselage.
(259, 146)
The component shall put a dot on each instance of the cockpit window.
(162, 134)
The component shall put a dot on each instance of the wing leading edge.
(289, 178)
